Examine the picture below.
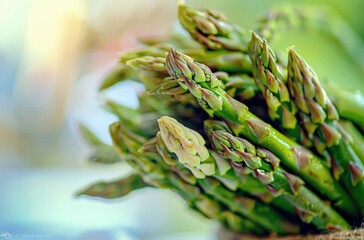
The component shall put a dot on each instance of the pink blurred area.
(47, 48)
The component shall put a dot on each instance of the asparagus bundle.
(279, 181)
(177, 137)
(223, 127)
(321, 115)
(183, 145)
(208, 91)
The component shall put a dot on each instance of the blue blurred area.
(53, 57)
(43, 202)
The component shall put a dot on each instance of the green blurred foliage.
(323, 52)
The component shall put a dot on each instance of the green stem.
(265, 167)
(357, 139)
(212, 98)
(350, 106)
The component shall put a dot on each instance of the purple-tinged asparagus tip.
(302, 156)
(294, 182)
(304, 214)
(259, 128)
(356, 172)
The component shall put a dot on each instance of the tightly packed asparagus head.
(212, 29)
(257, 145)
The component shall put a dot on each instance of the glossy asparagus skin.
(212, 98)
(265, 167)
(143, 157)
(321, 122)
(212, 29)
(183, 147)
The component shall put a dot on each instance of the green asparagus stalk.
(153, 105)
(186, 147)
(215, 60)
(231, 62)
(238, 86)
(210, 165)
(212, 29)
(102, 152)
(126, 144)
(236, 223)
(149, 64)
(212, 98)
(144, 124)
(158, 50)
(128, 71)
(157, 174)
(118, 74)
(230, 183)
(212, 208)
(321, 119)
(279, 202)
(170, 90)
(187, 181)
(241, 87)
(269, 80)
(157, 80)
(214, 125)
(176, 38)
(350, 106)
(227, 61)
(357, 139)
(309, 207)
(115, 189)
(164, 86)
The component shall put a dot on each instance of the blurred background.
(53, 57)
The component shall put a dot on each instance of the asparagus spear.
(170, 90)
(228, 61)
(102, 152)
(238, 86)
(185, 146)
(241, 86)
(212, 98)
(149, 64)
(231, 62)
(218, 61)
(176, 38)
(206, 165)
(157, 174)
(350, 106)
(269, 80)
(158, 50)
(236, 223)
(118, 74)
(140, 123)
(357, 139)
(322, 123)
(309, 207)
(212, 29)
(115, 189)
